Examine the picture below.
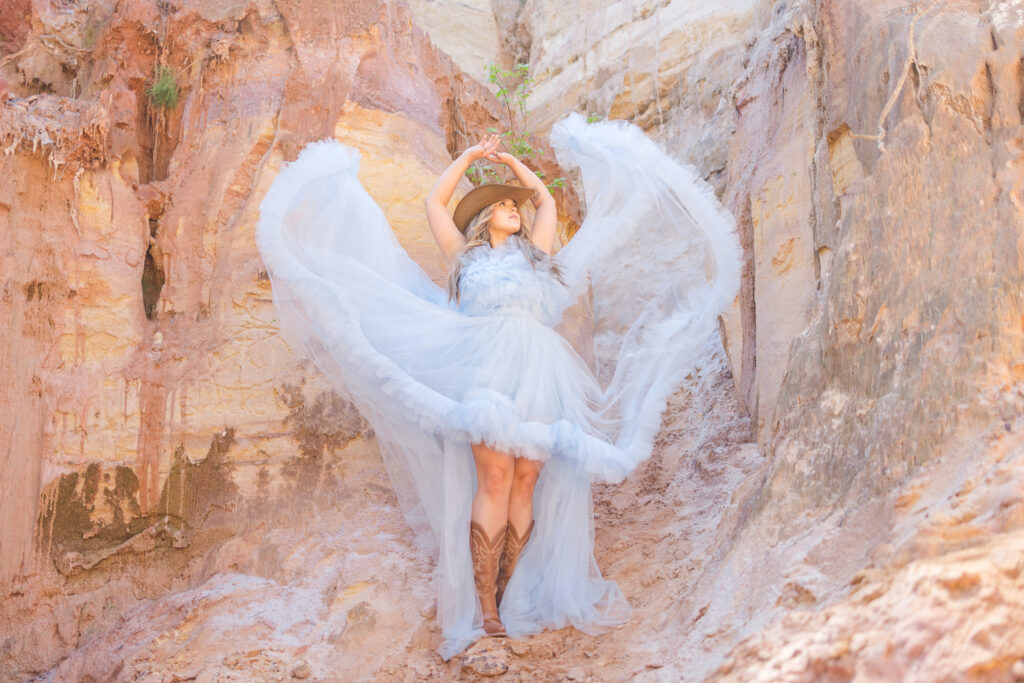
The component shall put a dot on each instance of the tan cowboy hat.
(485, 195)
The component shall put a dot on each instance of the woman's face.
(505, 218)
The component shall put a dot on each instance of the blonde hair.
(478, 234)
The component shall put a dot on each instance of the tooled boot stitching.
(514, 544)
(486, 554)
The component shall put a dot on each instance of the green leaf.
(163, 91)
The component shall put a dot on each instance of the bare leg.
(494, 473)
(520, 502)
(488, 529)
(520, 519)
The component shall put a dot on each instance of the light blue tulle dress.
(656, 255)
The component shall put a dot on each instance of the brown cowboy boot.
(513, 546)
(486, 554)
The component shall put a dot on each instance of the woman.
(501, 520)
(491, 425)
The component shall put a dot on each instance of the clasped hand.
(487, 148)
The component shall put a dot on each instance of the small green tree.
(517, 137)
(163, 91)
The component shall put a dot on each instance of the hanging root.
(911, 60)
(65, 130)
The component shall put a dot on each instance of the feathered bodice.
(502, 281)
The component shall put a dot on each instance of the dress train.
(662, 260)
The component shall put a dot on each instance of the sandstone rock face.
(892, 422)
(151, 410)
(666, 66)
(836, 496)
(871, 156)
(467, 30)
(916, 338)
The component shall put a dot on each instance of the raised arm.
(546, 220)
(448, 237)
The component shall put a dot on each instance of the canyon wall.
(151, 411)
(888, 205)
(871, 153)
(836, 495)
(915, 338)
